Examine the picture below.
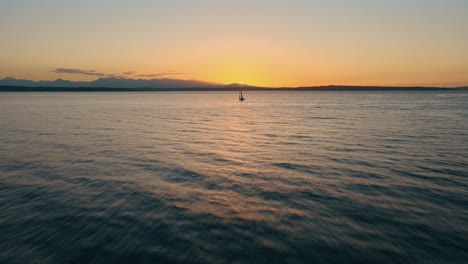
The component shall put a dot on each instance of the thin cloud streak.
(127, 74)
(78, 71)
(161, 74)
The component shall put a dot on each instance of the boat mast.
(241, 97)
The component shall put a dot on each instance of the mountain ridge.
(168, 84)
(111, 82)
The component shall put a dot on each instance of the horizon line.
(215, 84)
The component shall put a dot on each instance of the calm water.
(313, 177)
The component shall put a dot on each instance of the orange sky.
(265, 43)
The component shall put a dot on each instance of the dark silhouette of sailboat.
(241, 97)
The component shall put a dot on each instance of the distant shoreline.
(225, 88)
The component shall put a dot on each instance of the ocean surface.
(199, 177)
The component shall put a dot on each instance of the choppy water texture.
(312, 177)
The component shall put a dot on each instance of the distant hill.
(166, 84)
(111, 83)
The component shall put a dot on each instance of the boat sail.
(241, 97)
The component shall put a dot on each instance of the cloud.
(113, 75)
(78, 71)
(127, 74)
(161, 74)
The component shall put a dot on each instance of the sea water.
(199, 177)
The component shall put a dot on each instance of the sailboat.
(241, 97)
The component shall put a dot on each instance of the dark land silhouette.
(141, 85)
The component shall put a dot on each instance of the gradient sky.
(268, 43)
